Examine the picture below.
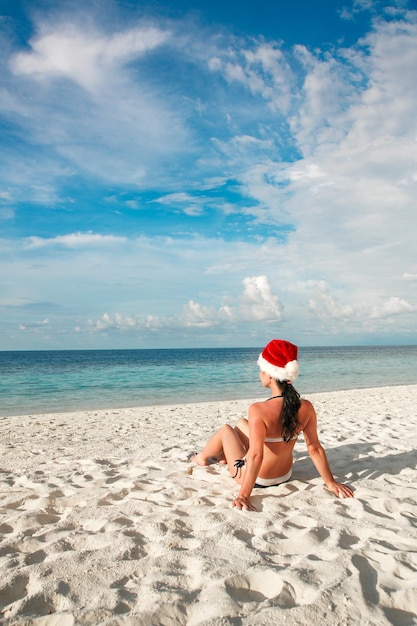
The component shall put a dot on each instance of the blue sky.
(182, 173)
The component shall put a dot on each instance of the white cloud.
(86, 57)
(185, 202)
(392, 307)
(34, 326)
(258, 302)
(263, 70)
(118, 322)
(199, 316)
(325, 306)
(73, 240)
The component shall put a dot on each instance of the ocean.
(72, 380)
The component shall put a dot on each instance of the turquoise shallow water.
(48, 381)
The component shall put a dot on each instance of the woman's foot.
(198, 459)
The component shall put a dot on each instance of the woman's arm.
(254, 457)
(318, 455)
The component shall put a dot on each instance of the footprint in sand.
(125, 588)
(5, 529)
(35, 557)
(368, 578)
(347, 541)
(305, 542)
(13, 591)
(254, 587)
(37, 604)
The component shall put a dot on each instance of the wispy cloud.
(72, 241)
(84, 95)
(90, 58)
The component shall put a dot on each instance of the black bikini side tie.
(238, 464)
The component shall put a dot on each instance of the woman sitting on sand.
(258, 450)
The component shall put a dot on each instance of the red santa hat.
(279, 360)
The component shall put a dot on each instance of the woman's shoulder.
(306, 408)
(306, 404)
(257, 407)
(260, 410)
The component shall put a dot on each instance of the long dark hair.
(290, 406)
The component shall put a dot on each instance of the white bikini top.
(277, 439)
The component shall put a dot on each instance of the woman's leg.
(242, 431)
(225, 441)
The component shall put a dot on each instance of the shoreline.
(104, 521)
(139, 407)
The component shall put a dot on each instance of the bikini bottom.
(263, 482)
(271, 482)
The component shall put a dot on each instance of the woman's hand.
(242, 502)
(339, 490)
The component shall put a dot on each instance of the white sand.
(104, 521)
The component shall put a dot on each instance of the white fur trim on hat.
(289, 372)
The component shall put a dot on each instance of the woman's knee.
(225, 430)
(243, 425)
